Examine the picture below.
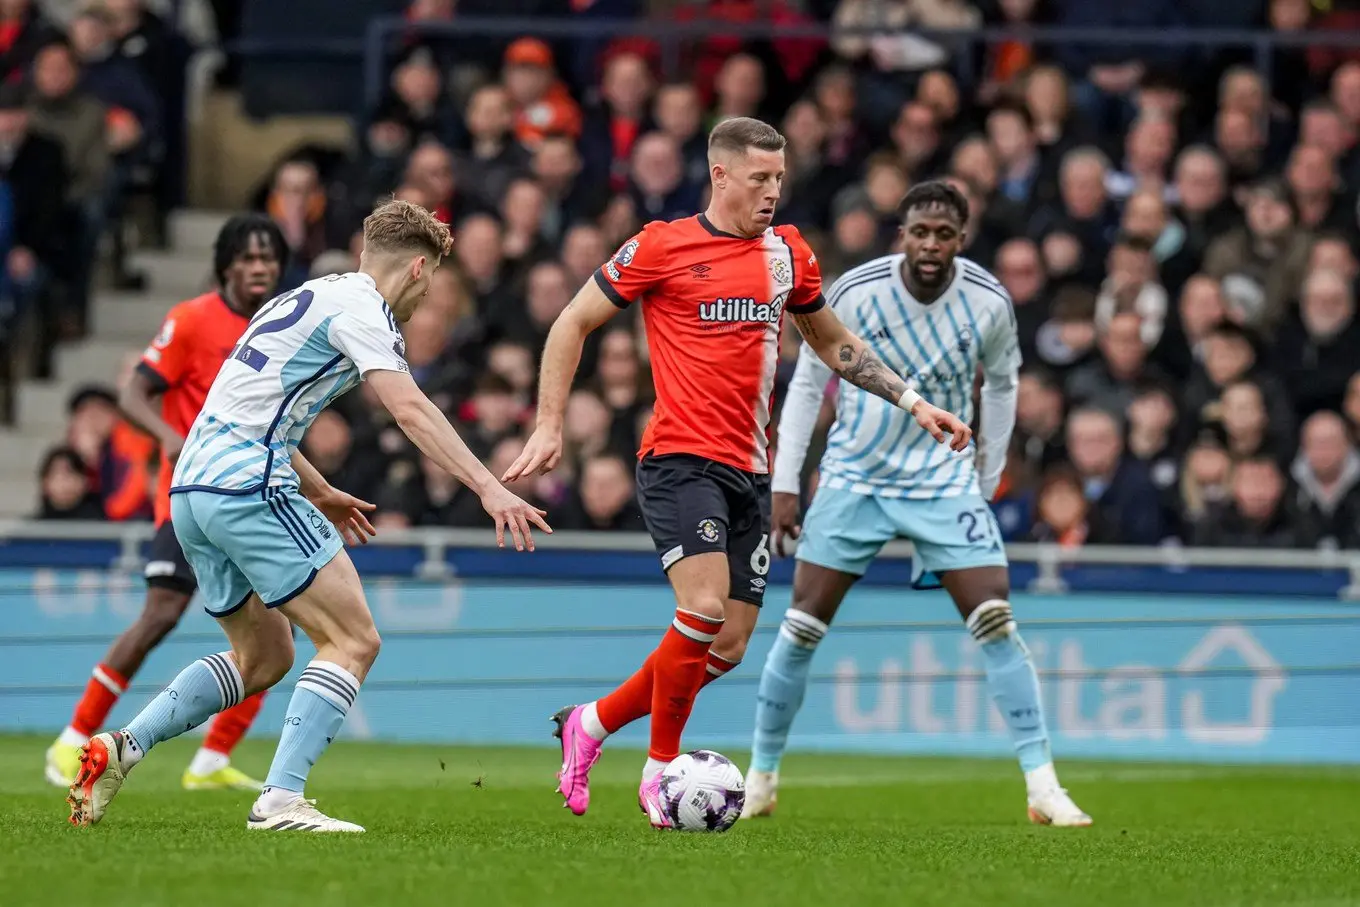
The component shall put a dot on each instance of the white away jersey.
(875, 447)
(301, 351)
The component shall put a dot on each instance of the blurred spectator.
(1326, 500)
(1230, 355)
(60, 109)
(659, 188)
(492, 414)
(1062, 510)
(1020, 269)
(1149, 147)
(1246, 425)
(1206, 480)
(621, 382)
(569, 196)
(1039, 441)
(617, 122)
(583, 250)
(521, 213)
(1109, 383)
(136, 117)
(916, 139)
(330, 446)
(416, 99)
(1351, 407)
(67, 493)
(605, 501)
(1152, 442)
(542, 104)
(1254, 517)
(31, 224)
(1083, 210)
(1010, 133)
(739, 88)
(678, 112)
(1316, 348)
(1132, 287)
(1123, 502)
(297, 203)
(1261, 264)
(490, 156)
(23, 32)
(430, 169)
(1314, 188)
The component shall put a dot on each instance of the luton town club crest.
(780, 271)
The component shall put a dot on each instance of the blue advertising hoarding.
(486, 657)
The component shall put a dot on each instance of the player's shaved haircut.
(739, 134)
(400, 226)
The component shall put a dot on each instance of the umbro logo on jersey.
(700, 271)
(741, 309)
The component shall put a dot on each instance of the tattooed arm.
(848, 356)
(854, 361)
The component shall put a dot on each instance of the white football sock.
(207, 761)
(590, 722)
(273, 799)
(1042, 780)
(652, 768)
(72, 737)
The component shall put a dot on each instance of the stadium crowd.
(1179, 240)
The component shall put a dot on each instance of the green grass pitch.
(851, 831)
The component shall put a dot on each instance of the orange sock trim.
(717, 667)
(101, 694)
(681, 661)
(230, 726)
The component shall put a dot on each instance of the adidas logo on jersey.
(741, 309)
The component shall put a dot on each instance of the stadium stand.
(1177, 227)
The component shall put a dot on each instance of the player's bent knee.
(992, 621)
(710, 607)
(730, 647)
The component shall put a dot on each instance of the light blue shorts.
(845, 530)
(237, 544)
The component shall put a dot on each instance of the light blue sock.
(1013, 682)
(783, 684)
(201, 690)
(323, 696)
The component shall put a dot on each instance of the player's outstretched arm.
(851, 358)
(348, 513)
(561, 355)
(137, 399)
(432, 434)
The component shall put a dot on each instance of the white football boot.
(762, 793)
(1055, 807)
(299, 815)
(103, 769)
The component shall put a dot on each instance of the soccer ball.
(702, 791)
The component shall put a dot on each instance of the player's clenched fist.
(541, 455)
(511, 512)
(941, 422)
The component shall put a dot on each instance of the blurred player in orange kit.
(179, 367)
(713, 290)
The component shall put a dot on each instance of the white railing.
(1048, 559)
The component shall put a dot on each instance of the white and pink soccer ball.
(702, 791)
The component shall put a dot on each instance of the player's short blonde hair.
(400, 226)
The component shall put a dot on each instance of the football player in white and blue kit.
(264, 531)
(935, 318)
